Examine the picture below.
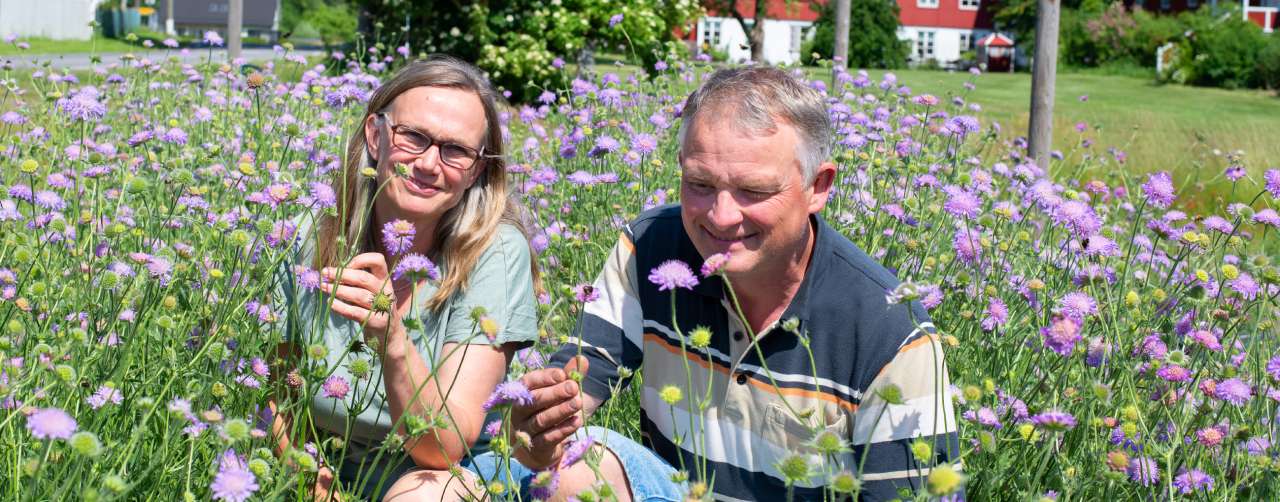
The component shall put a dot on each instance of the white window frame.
(970, 4)
(966, 41)
(926, 39)
(797, 37)
(711, 32)
(927, 4)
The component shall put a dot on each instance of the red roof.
(796, 10)
(996, 40)
(947, 14)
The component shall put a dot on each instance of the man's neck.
(764, 295)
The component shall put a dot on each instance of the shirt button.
(737, 336)
(742, 378)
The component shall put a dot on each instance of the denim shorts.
(649, 474)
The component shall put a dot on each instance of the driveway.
(81, 61)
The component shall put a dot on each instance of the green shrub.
(873, 38)
(1224, 55)
(1269, 64)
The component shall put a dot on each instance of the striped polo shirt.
(748, 404)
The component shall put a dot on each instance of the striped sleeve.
(924, 411)
(609, 332)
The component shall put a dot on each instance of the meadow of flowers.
(1102, 343)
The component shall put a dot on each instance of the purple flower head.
(335, 387)
(1272, 179)
(967, 244)
(1054, 420)
(1267, 216)
(1078, 217)
(961, 203)
(213, 38)
(1245, 285)
(987, 417)
(615, 19)
(51, 423)
(1144, 471)
(1077, 306)
(1234, 391)
(544, 485)
(997, 314)
(104, 395)
(1097, 351)
(397, 236)
(604, 144)
(673, 274)
(1159, 189)
(714, 264)
(1273, 368)
(1062, 335)
(586, 293)
(493, 428)
(234, 482)
(49, 200)
(531, 358)
(83, 105)
(1192, 480)
(575, 450)
(308, 278)
(509, 392)
(1173, 373)
(416, 267)
(175, 136)
(644, 143)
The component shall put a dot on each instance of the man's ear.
(823, 179)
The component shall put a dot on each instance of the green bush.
(1224, 55)
(1269, 64)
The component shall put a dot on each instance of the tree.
(841, 56)
(753, 28)
(518, 42)
(873, 35)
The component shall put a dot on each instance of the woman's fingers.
(352, 312)
(353, 277)
(375, 263)
(353, 295)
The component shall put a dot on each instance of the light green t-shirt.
(500, 282)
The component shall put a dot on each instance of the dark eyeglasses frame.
(398, 130)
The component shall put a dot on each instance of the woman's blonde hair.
(466, 230)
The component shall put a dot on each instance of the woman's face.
(444, 115)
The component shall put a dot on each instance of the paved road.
(82, 62)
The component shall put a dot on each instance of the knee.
(435, 485)
(580, 477)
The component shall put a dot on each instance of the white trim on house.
(782, 38)
(928, 4)
(971, 4)
(946, 42)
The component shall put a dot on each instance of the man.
(832, 367)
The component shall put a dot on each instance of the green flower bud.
(86, 443)
(236, 429)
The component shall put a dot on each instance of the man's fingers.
(547, 443)
(554, 415)
(546, 377)
(578, 364)
(547, 397)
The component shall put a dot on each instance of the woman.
(432, 134)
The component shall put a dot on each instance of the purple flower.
(987, 417)
(49, 200)
(1245, 285)
(321, 196)
(1062, 335)
(1099, 245)
(1159, 189)
(531, 358)
(1144, 471)
(1273, 368)
(961, 202)
(493, 428)
(103, 396)
(1267, 216)
(510, 392)
(997, 314)
(575, 450)
(1078, 217)
(544, 485)
(644, 143)
(51, 423)
(1054, 420)
(614, 20)
(1096, 352)
(1272, 177)
(1173, 373)
(308, 279)
(586, 293)
(967, 244)
(397, 236)
(714, 264)
(1078, 305)
(1192, 480)
(416, 267)
(83, 105)
(335, 387)
(233, 482)
(175, 136)
(604, 144)
(673, 274)
(1234, 391)
(213, 38)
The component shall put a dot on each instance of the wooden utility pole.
(841, 51)
(235, 22)
(168, 18)
(1043, 74)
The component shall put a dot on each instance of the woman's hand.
(323, 489)
(363, 293)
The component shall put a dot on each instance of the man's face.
(744, 193)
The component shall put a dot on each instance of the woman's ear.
(372, 133)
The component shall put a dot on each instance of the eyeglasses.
(415, 142)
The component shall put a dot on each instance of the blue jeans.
(648, 474)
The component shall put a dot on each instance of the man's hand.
(323, 489)
(363, 293)
(554, 415)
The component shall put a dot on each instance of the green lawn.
(49, 46)
(1160, 127)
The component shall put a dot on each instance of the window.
(927, 4)
(797, 35)
(1165, 4)
(969, 4)
(924, 45)
(711, 32)
(966, 41)
(1192, 4)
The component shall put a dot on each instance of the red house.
(942, 30)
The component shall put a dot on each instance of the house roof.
(795, 10)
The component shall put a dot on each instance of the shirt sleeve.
(609, 333)
(502, 283)
(922, 410)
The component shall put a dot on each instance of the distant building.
(785, 29)
(1264, 13)
(942, 30)
(261, 18)
(56, 19)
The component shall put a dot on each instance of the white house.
(785, 29)
(56, 19)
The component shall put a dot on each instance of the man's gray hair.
(754, 98)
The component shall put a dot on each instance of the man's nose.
(725, 212)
